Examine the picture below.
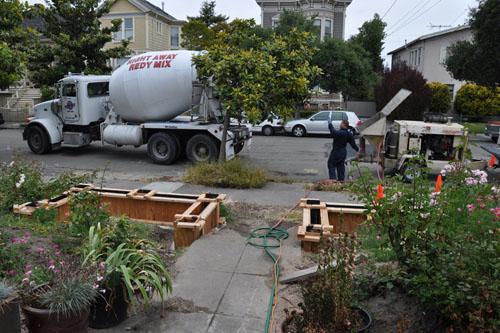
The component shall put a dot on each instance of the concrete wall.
(14, 116)
(362, 109)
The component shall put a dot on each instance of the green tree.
(402, 76)
(371, 37)
(75, 29)
(200, 32)
(346, 68)
(290, 19)
(477, 100)
(255, 76)
(478, 60)
(440, 97)
(13, 41)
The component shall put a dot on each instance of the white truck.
(140, 103)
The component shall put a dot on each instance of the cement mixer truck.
(151, 99)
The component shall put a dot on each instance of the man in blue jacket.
(336, 161)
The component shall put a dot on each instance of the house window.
(443, 54)
(317, 23)
(415, 56)
(174, 36)
(328, 28)
(451, 88)
(275, 23)
(158, 27)
(126, 30)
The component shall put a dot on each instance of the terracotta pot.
(46, 321)
(10, 320)
(109, 310)
(367, 320)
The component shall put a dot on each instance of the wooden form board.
(190, 215)
(318, 216)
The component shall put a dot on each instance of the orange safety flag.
(439, 182)
(492, 161)
(380, 192)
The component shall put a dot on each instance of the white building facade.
(330, 14)
(428, 53)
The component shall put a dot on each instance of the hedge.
(441, 99)
(477, 100)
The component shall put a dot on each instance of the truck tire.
(299, 131)
(201, 148)
(494, 139)
(238, 147)
(38, 140)
(163, 148)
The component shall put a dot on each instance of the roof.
(156, 9)
(432, 35)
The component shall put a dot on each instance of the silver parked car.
(318, 122)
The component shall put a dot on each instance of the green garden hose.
(276, 236)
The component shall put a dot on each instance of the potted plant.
(56, 294)
(328, 296)
(9, 309)
(128, 266)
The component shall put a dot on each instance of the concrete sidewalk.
(223, 285)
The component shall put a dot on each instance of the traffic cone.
(380, 192)
(439, 182)
(492, 161)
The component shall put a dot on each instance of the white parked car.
(318, 122)
(272, 125)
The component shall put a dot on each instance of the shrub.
(478, 100)
(233, 173)
(307, 113)
(402, 76)
(47, 94)
(447, 243)
(441, 99)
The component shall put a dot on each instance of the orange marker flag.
(380, 192)
(492, 161)
(439, 182)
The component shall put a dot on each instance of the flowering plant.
(446, 242)
(62, 285)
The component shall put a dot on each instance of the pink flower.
(28, 273)
(95, 286)
(67, 213)
(11, 272)
(57, 271)
(14, 240)
(32, 283)
(28, 266)
(478, 222)
(41, 249)
(483, 206)
(479, 200)
(56, 247)
(26, 280)
(378, 236)
(26, 235)
(52, 267)
(58, 254)
(21, 240)
(101, 265)
(99, 278)
(61, 262)
(52, 262)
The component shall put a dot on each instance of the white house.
(428, 53)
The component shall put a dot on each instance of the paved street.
(282, 155)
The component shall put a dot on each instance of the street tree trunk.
(222, 154)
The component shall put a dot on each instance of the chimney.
(163, 5)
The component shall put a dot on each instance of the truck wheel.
(201, 148)
(410, 172)
(238, 147)
(299, 131)
(494, 139)
(38, 140)
(162, 148)
(267, 131)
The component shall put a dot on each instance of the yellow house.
(148, 27)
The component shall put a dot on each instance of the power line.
(434, 5)
(388, 10)
(459, 16)
(408, 12)
(412, 16)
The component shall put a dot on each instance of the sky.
(406, 19)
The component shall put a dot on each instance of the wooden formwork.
(190, 215)
(318, 216)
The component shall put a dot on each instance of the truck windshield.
(96, 89)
